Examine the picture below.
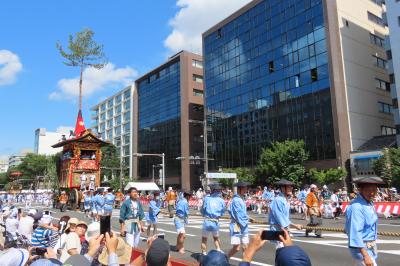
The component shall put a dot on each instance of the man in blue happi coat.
(98, 202)
(362, 223)
(279, 216)
(181, 219)
(239, 225)
(154, 210)
(213, 208)
(109, 201)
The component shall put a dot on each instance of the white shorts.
(242, 239)
(181, 230)
(133, 239)
(205, 233)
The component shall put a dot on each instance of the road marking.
(394, 252)
(172, 232)
(253, 262)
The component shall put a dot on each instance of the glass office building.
(168, 116)
(267, 79)
(289, 69)
(159, 119)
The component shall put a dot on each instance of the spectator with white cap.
(45, 235)
(25, 225)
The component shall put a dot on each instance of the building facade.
(393, 53)
(45, 139)
(296, 69)
(168, 118)
(3, 166)
(15, 160)
(111, 121)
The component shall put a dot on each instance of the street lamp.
(162, 155)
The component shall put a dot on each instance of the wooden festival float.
(81, 154)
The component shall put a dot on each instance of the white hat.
(14, 257)
(324, 187)
(32, 212)
(313, 186)
(46, 219)
(92, 230)
(170, 188)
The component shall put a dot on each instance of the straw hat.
(124, 252)
(72, 221)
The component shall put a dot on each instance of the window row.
(385, 131)
(379, 62)
(385, 107)
(376, 40)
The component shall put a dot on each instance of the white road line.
(253, 262)
(394, 252)
(172, 232)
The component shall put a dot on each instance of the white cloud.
(195, 17)
(94, 80)
(10, 66)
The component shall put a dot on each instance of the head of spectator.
(46, 219)
(169, 189)
(81, 228)
(77, 260)
(133, 193)
(291, 255)
(158, 253)
(14, 257)
(122, 250)
(109, 190)
(71, 225)
(324, 188)
(215, 258)
(216, 189)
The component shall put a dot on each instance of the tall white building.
(45, 139)
(3, 166)
(393, 53)
(111, 121)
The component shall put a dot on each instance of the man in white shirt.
(25, 225)
(12, 222)
(83, 181)
(92, 184)
(199, 196)
(72, 244)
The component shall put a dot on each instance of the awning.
(143, 186)
(365, 157)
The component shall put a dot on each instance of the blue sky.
(137, 36)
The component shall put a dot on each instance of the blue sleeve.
(223, 207)
(237, 213)
(354, 227)
(186, 208)
(123, 212)
(154, 208)
(280, 214)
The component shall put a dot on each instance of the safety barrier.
(388, 208)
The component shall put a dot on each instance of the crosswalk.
(385, 245)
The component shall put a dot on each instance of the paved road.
(330, 250)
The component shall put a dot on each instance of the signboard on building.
(222, 175)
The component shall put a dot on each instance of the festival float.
(81, 155)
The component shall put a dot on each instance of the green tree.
(51, 177)
(243, 174)
(283, 160)
(83, 52)
(33, 165)
(327, 177)
(388, 166)
(110, 165)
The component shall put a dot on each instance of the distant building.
(311, 70)
(15, 160)
(168, 118)
(393, 53)
(3, 166)
(111, 121)
(45, 139)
